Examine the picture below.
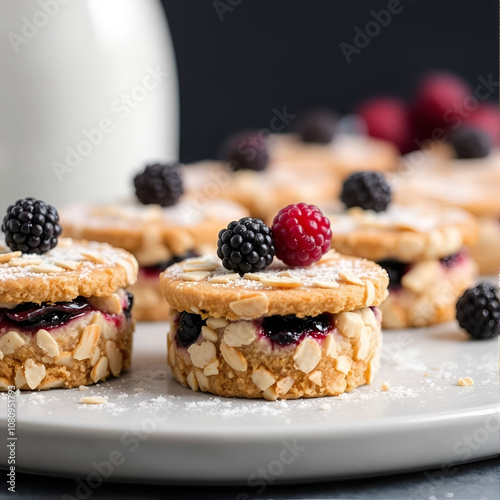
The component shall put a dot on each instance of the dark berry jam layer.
(154, 271)
(31, 317)
(280, 330)
(397, 269)
(286, 330)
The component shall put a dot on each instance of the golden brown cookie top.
(67, 271)
(403, 232)
(149, 229)
(334, 284)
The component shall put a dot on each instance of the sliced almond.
(207, 265)
(20, 379)
(330, 346)
(315, 377)
(179, 376)
(350, 277)
(11, 342)
(385, 386)
(195, 276)
(223, 278)
(216, 323)
(349, 324)
(1, 355)
(192, 382)
(111, 304)
(93, 257)
(93, 400)
(369, 318)
(171, 354)
(45, 269)
(324, 284)
(95, 356)
(343, 364)
(52, 384)
(283, 385)
(202, 379)
(421, 276)
(100, 370)
(47, 360)
(369, 293)
(202, 354)
(115, 358)
(239, 333)
(263, 378)
(209, 334)
(34, 373)
(46, 342)
(65, 359)
(337, 386)
(69, 265)
(307, 355)
(251, 307)
(87, 343)
(362, 346)
(6, 257)
(254, 276)
(4, 384)
(212, 368)
(21, 262)
(465, 381)
(233, 358)
(131, 268)
(270, 394)
(281, 282)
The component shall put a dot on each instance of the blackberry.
(318, 126)
(368, 190)
(471, 142)
(286, 330)
(478, 311)
(247, 151)
(189, 328)
(31, 226)
(395, 269)
(159, 183)
(246, 246)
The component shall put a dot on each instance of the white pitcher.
(88, 95)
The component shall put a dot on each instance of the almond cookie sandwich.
(307, 325)
(160, 228)
(422, 248)
(317, 145)
(250, 176)
(65, 317)
(464, 173)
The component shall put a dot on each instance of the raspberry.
(31, 226)
(389, 118)
(302, 234)
(438, 101)
(487, 117)
(246, 246)
(368, 190)
(247, 151)
(189, 328)
(478, 311)
(318, 126)
(470, 142)
(159, 183)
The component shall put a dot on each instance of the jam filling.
(280, 330)
(30, 317)
(397, 269)
(155, 270)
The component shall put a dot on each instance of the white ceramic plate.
(154, 430)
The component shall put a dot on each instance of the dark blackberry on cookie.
(318, 126)
(478, 311)
(159, 183)
(189, 328)
(471, 142)
(246, 246)
(31, 226)
(368, 190)
(247, 151)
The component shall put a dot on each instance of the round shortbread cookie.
(69, 270)
(334, 284)
(152, 233)
(403, 232)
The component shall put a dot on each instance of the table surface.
(475, 481)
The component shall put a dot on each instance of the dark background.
(266, 54)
